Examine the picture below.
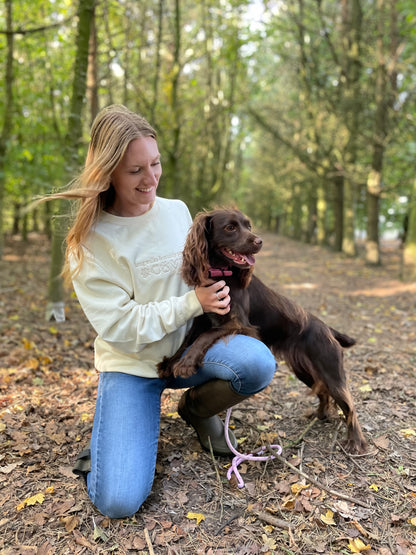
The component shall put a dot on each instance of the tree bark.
(55, 309)
(92, 73)
(409, 251)
(8, 114)
(351, 32)
(171, 183)
(385, 87)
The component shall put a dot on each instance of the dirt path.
(47, 389)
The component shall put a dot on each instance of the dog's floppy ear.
(195, 263)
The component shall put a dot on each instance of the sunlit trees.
(301, 112)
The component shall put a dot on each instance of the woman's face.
(136, 178)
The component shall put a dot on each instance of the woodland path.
(47, 389)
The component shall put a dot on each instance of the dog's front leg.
(194, 357)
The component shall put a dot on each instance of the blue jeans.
(127, 415)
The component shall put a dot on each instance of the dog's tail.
(343, 339)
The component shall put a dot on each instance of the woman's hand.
(214, 297)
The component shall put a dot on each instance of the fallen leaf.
(306, 505)
(344, 509)
(139, 543)
(268, 528)
(99, 533)
(80, 540)
(289, 503)
(297, 488)
(382, 442)
(8, 468)
(269, 542)
(45, 549)
(38, 498)
(196, 516)
(173, 415)
(408, 432)
(356, 546)
(70, 522)
(365, 388)
(27, 344)
(328, 518)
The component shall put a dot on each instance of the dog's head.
(217, 239)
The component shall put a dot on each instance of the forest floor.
(339, 504)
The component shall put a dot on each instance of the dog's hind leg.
(330, 382)
(356, 442)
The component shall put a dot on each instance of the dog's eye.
(230, 227)
(249, 227)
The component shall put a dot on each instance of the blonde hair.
(111, 133)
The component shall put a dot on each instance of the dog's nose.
(258, 241)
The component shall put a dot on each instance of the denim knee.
(115, 505)
(245, 362)
(257, 367)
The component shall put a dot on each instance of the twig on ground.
(270, 519)
(300, 455)
(317, 483)
(8, 289)
(226, 523)
(358, 455)
(218, 477)
(352, 457)
(364, 532)
(149, 542)
(334, 440)
(302, 435)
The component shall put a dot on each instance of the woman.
(123, 257)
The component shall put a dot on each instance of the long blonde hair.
(111, 133)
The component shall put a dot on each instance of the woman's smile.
(136, 178)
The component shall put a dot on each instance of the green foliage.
(199, 71)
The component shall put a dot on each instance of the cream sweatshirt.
(131, 290)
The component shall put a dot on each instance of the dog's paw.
(183, 369)
(356, 446)
(164, 369)
(164, 373)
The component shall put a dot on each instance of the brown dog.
(221, 245)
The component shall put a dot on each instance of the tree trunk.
(7, 111)
(348, 240)
(385, 88)
(322, 215)
(55, 309)
(372, 245)
(173, 182)
(158, 62)
(311, 226)
(351, 32)
(338, 212)
(409, 251)
(92, 73)
(296, 213)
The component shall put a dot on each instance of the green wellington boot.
(199, 407)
